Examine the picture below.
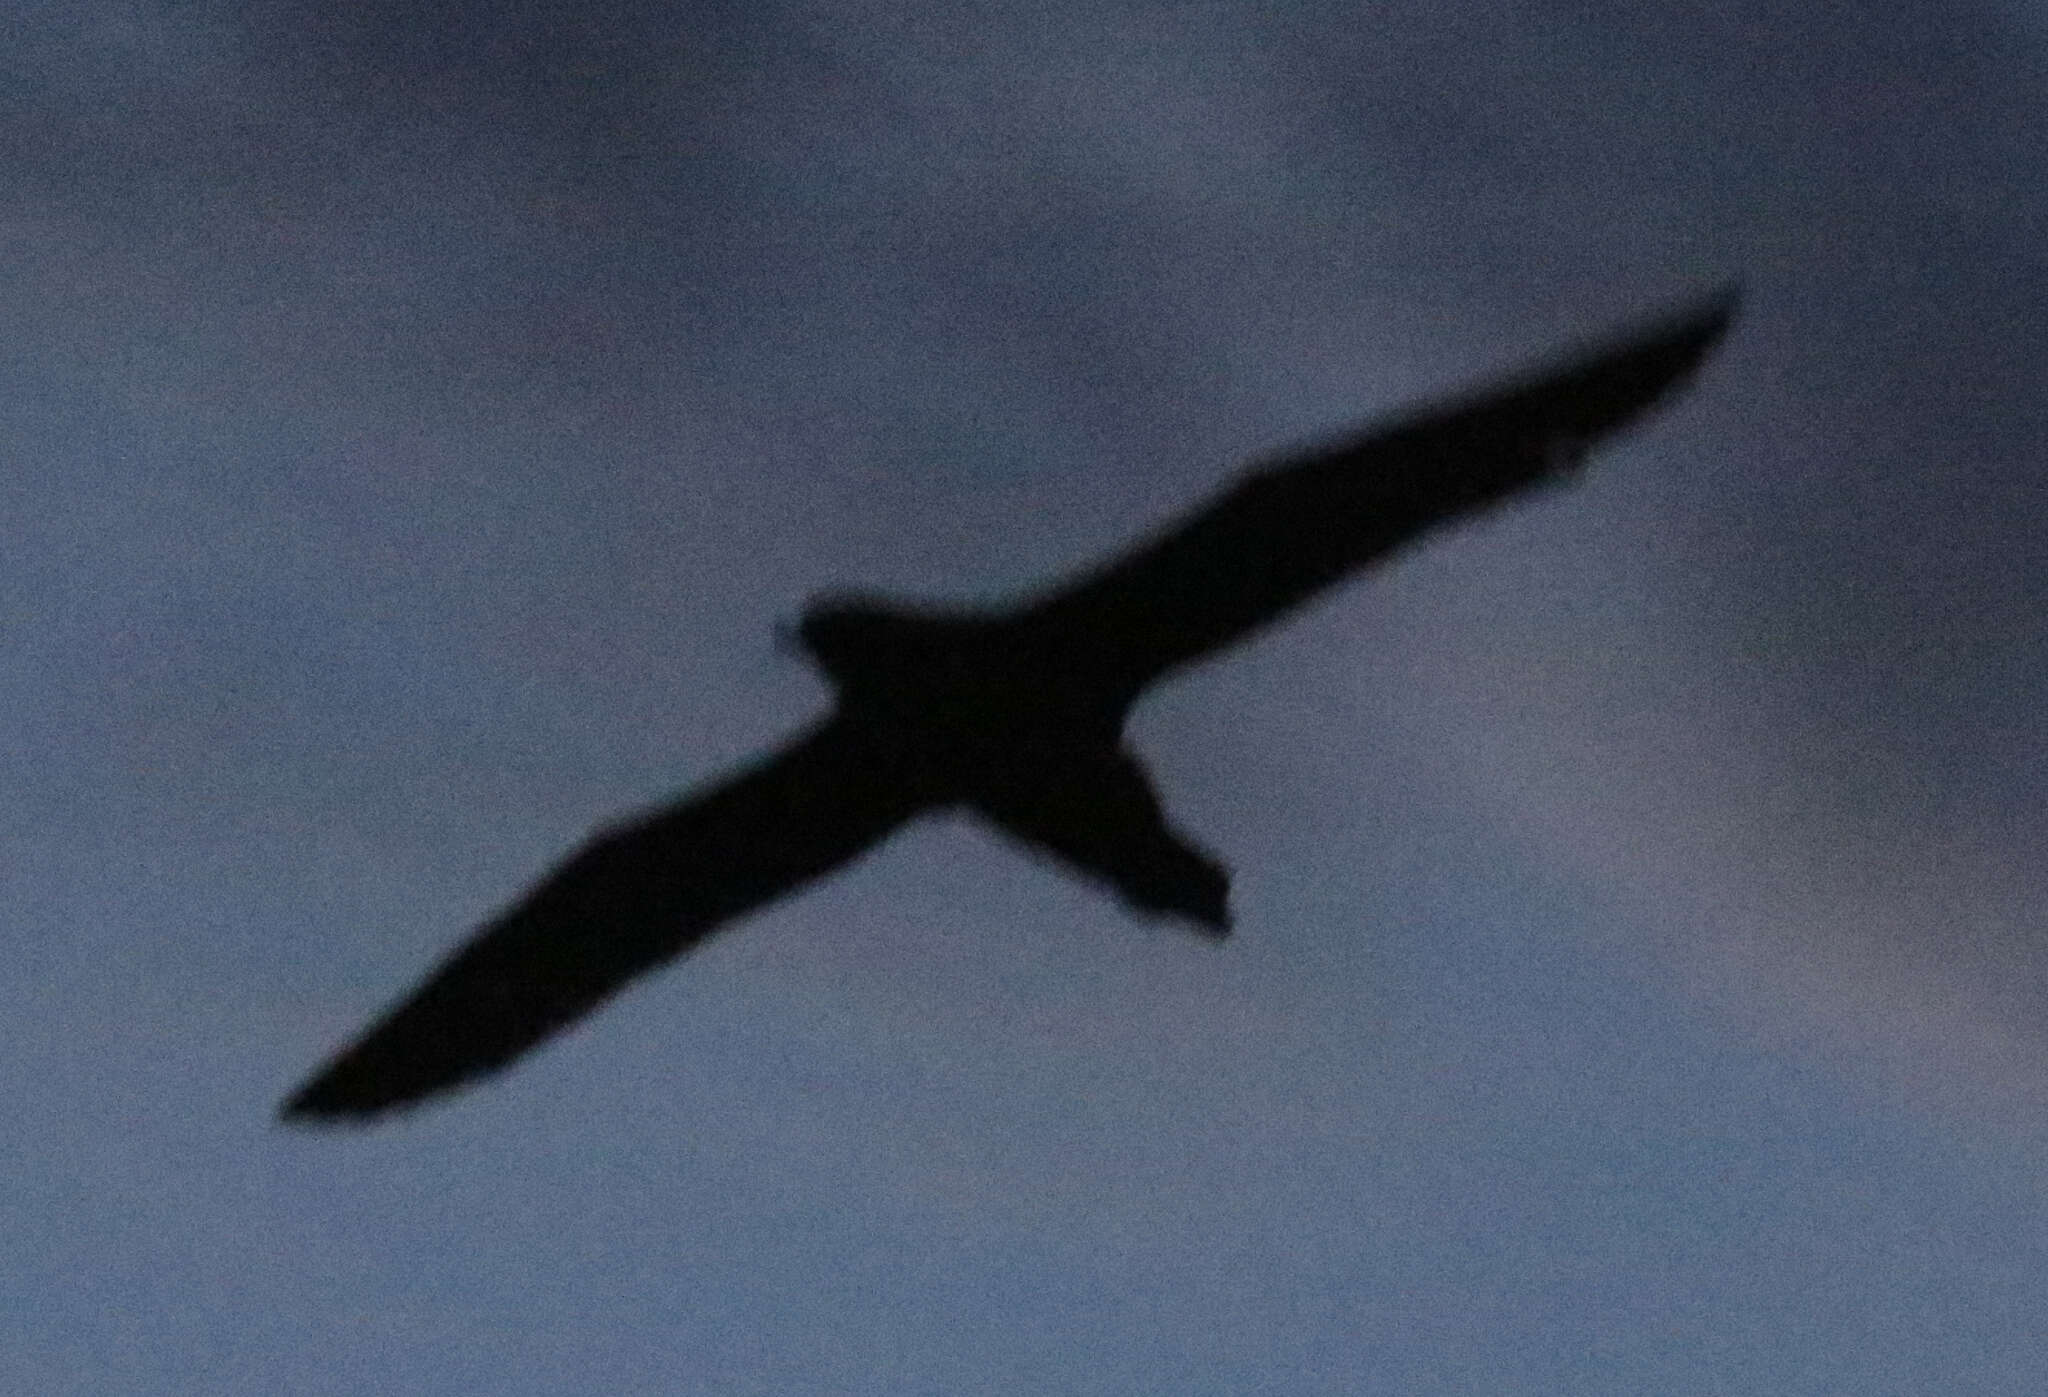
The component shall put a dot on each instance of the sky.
(417, 418)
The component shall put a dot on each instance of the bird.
(1015, 714)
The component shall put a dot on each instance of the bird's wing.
(631, 899)
(1293, 528)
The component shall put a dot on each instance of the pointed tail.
(1094, 809)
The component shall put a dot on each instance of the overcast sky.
(416, 418)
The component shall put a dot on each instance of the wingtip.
(349, 1092)
(315, 1106)
(1707, 319)
(1684, 335)
(1721, 302)
(308, 1110)
(1629, 374)
(293, 1117)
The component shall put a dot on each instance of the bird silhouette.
(1015, 714)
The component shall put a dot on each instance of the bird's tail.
(1095, 809)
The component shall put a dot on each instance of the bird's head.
(872, 645)
(842, 633)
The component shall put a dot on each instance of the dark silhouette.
(1015, 714)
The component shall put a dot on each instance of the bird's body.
(1015, 714)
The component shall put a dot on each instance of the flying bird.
(1015, 714)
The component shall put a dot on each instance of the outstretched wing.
(1291, 529)
(633, 898)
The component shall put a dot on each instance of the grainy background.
(413, 419)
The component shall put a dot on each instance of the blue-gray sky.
(416, 418)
